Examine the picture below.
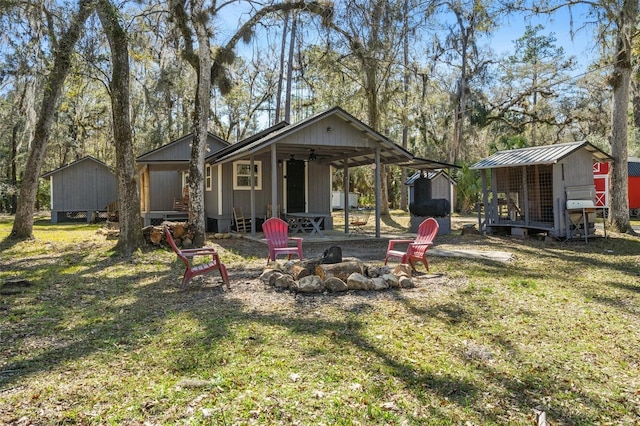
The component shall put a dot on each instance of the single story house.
(540, 189)
(287, 165)
(81, 190)
(163, 176)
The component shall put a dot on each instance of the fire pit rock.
(313, 276)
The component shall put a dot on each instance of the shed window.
(242, 175)
(208, 185)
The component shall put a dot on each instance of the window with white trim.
(185, 178)
(242, 175)
(208, 179)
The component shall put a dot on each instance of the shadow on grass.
(73, 284)
(391, 222)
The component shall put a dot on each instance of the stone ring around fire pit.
(314, 276)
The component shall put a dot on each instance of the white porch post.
(220, 189)
(253, 196)
(345, 185)
(378, 184)
(274, 181)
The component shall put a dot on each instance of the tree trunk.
(23, 223)
(201, 120)
(130, 236)
(285, 29)
(620, 81)
(405, 88)
(619, 178)
(369, 65)
(287, 101)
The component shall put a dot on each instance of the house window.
(242, 175)
(208, 181)
(185, 179)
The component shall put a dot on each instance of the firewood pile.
(183, 234)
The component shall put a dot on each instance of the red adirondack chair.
(416, 249)
(188, 255)
(276, 233)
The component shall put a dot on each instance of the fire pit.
(332, 273)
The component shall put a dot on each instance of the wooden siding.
(179, 150)
(540, 190)
(318, 185)
(342, 134)
(578, 169)
(85, 186)
(165, 185)
(441, 187)
(319, 188)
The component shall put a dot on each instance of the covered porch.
(321, 145)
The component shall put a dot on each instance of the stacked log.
(183, 234)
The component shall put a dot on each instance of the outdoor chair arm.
(392, 243)
(203, 251)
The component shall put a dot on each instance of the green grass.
(99, 340)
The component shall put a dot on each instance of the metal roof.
(633, 166)
(549, 154)
(419, 163)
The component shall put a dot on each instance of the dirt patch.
(249, 260)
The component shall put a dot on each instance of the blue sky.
(583, 45)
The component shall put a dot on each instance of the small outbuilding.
(545, 189)
(601, 181)
(440, 183)
(81, 190)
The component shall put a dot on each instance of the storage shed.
(442, 185)
(540, 189)
(81, 190)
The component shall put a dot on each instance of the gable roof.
(548, 154)
(390, 152)
(75, 163)
(160, 154)
(430, 175)
(247, 141)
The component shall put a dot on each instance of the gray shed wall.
(85, 186)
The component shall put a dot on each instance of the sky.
(582, 45)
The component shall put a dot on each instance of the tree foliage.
(423, 72)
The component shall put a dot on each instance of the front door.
(295, 186)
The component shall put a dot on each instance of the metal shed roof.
(549, 154)
(633, 166)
